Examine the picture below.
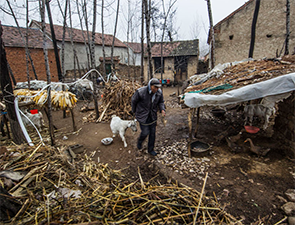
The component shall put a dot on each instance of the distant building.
(135, 53)
(233, 33)
(80, 40)
(180, 60)
(16, 54)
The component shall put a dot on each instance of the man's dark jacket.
(142, 104)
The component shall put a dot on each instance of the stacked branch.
(54, 186)
(117, 100)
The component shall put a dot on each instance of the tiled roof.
(176, 48)
(12, 38)
(78, 37)
(136, 47)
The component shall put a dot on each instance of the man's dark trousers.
(145, 131)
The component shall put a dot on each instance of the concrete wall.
(16, 58)
(82, 55)
(232, 36)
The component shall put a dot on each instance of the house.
(80, 40)
(233, 34)
(135, 52)
(14, 45)
(180, 60)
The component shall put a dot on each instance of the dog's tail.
(113, 115)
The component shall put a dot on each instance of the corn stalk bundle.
(117, 99)
(59, 99)
(53, 186)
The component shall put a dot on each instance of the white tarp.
(275, 86)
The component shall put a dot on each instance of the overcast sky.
(189, 13)
(192, 11)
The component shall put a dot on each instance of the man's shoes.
(139, 146)
(153, 153)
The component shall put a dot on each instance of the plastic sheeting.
(275, 86)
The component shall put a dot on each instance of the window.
(157, 62)
(231, 37)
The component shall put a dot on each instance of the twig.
(203, 188)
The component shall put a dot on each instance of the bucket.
(34, 111)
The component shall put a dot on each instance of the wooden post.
(198, 119)
(73, 120)
(190, 126)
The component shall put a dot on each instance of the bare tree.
(287, 27)
(142, 41)
(253, 28)
(212, 44)
(114, 36)
(7, 90)
(45, 51)
(85, 43)
(165, 16)
(102, 39)
(26, 48)
(147, 4)
(60, 77)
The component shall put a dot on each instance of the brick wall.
(17, 60)
(233, 35)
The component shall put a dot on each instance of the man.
(145, 103)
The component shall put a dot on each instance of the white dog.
(119, 126)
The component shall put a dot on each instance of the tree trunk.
(212, 44)
(85, 43)
(102, 37)
(128, 34)
(93, 59)
(87, 31)
(60, 77)
(27, 50)
(148, 19)
(63, 37)
(27, 44)
(142, 43)
(6, 87)
(253, 29)
(287, 27)
(45, 51)
(72, 41)
(114, 37)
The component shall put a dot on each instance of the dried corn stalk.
(117, 99)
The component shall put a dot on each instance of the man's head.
(155, 85)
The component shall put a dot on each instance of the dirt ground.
(251, 188)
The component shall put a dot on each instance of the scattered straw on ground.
(55, 186)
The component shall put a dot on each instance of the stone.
(290, 193)
(291, 220)
(289, 208)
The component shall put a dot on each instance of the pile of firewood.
(117, 100)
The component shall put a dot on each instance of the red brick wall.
(16, 58)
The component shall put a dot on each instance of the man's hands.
(163, 113)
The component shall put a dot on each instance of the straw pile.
(55, 186)
(117, 100)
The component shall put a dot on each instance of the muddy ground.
(250, 187)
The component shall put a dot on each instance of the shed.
(269, 83)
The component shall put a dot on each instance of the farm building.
(233, 33)
(14, 44)
(80, 40)
(180, 60)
